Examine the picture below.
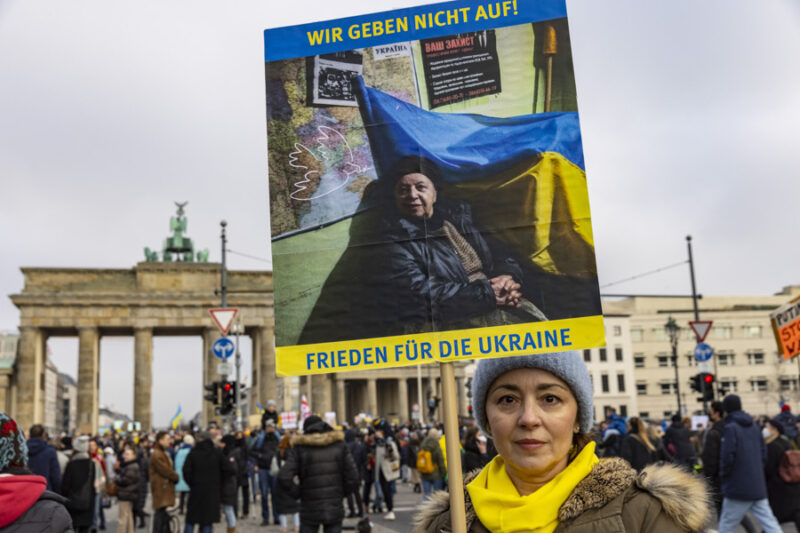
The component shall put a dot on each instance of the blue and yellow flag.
(177, 418)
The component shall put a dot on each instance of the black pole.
(696, 318)
(224, 275)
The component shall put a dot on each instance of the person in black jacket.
(43, 459)
(25, 503)
(678, 442)
(77, 485)
(264, 449)
(638, 448)
(241, 473)
(359, 453)
(475, 455)
(230, 480)
(127, 481)
(784, 498)
(326, 471)
(285, 504)
(203, 473)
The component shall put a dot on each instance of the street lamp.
(673, 330)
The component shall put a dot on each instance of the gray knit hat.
(568, 366)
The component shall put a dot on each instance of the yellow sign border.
(440, 346)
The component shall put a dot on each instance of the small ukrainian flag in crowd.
(177, 418)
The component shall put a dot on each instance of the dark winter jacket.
(358, 451)
(789, 422)
(127, 481)
(678, 442)
(637, 454)
(612, 498)
(144, 480)
(203, 473)
(241, 463)
(267, 416)
(77, 486)
(711, 449)
(428, 277)
(26, 507)
(283, 501)
(326, 471)
(784, 498)
(43, 461)
(742, 458)
(265, 446)
(472, 458)
(230, 481)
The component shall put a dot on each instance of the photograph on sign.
(436, 207)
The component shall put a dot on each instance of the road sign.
(224, 368)
(703, 352)
(223, 348)
(701, 328)
(704, 366)
(223, 317)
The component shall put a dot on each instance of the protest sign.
(496, 258)
(785, 322)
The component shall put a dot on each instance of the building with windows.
(745, 362)
(612, 370)
(8, 351)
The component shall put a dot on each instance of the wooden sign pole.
(455, 481)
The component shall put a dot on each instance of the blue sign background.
(703, 352)
(223, 348)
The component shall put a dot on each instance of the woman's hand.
(506, 290)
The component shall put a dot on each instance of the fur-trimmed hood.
(318, 439)
(684, 497)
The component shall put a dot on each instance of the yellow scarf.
(502, 510)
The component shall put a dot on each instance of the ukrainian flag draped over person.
(527, 172)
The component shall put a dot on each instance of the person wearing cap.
(326, 472)
(742, 459)
(181, 487)
(78, 485)
(264, 449)
(789, 422)
(25, 503)
(784, 498)
(538, 409)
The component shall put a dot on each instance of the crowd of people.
(317, 475)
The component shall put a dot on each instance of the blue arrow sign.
(223, 348)
(703, 352)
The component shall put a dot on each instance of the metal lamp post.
(673, 330)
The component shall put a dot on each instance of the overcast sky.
(110, 111)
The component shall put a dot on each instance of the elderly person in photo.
(546, 477)
(442, 268)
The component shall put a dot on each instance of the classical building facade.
(746, 360)
(147, 300)
(8, 354)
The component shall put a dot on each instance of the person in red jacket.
(25, 502)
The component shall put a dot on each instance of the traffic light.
(468, 386)
(228, 403)
(708, 392)
(697, 381)
(213, 395)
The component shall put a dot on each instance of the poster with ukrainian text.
(427, 188)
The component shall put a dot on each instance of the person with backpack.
(789, 422)
(430, 463)
(77, 485)
(783, 485)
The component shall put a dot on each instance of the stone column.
(209, 374)
(264, 355)
(5, 393)
(372, 396)
(143, 376)
(88, 382)
(30, 368)
(402, 394)
(321, 394)
(341, 406)
(460, 393)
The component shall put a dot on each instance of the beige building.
(612, 370)
(745, 361)
(8, 351)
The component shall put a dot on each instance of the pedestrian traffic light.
(708, 391)
(228, 403)
(213, 395)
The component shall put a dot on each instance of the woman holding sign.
(546, 477)
(442, 268)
